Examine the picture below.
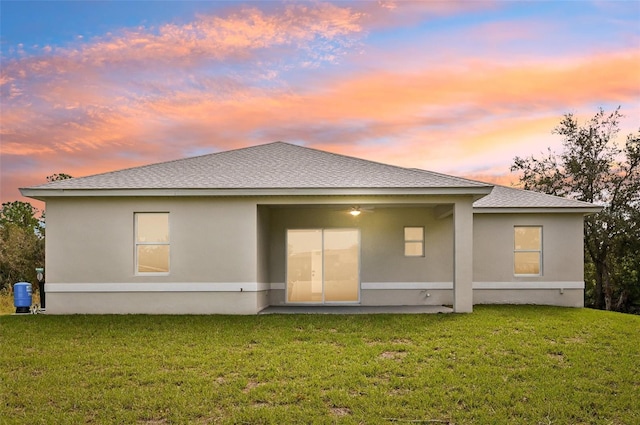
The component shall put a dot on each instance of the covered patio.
(380, 273)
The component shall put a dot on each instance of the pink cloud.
(209, 37)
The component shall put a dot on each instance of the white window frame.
(539, 251)
(421, 241)
(136, 244)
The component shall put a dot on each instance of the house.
(279, 224)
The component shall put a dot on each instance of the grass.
(501, 364)
(6, 302)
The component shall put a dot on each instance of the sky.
(458, 87)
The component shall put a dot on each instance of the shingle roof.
(274, 165)
(509, 197)
(285, 166)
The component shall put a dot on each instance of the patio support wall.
(463, 257)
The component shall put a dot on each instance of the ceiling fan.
(356, 210)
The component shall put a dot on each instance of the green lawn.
(503, 364)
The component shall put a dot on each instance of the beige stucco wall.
(237, 243)
(155, 302)
(407, 297)
(382, 258)
(559, 297)
(562, 247)
(263, 244)
(382, 245)
(562, 262)
(91, 241)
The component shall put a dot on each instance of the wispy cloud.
(238, 35)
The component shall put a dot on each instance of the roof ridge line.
(386, 165)
(137, 167)
(457, 177)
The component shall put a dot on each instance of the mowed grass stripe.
(501, 364)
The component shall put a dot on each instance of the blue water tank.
(22, 297)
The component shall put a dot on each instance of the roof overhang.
(476, 192)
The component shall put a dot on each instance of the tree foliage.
(595, 167)
(21, 214)
(22, 240)
(58, 176)
(21, 243)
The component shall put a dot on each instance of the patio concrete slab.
(357, 309)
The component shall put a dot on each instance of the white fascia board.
(537, 210)
(397, 200)
(56, 193)
(158, 287)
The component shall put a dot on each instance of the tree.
(593, 167)
(22, 214)
(22, 240)
(58, 176)
(21, 243)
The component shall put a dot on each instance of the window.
(527, 253)
(152, 242)
(414, 241)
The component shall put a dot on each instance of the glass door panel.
(323, 266)
(341, 265)
(304, 266)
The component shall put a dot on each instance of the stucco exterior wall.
(155, 302)
(382, 257)
(429, 280)
(262, 259)
(93, 240)
(562, 247)
(228, 256)
(559, 297)
(213, 242)
(407, 297)
(263, 244)
(562, 277)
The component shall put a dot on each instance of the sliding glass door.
(304, 266)
(323, 266)
(341, 265)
